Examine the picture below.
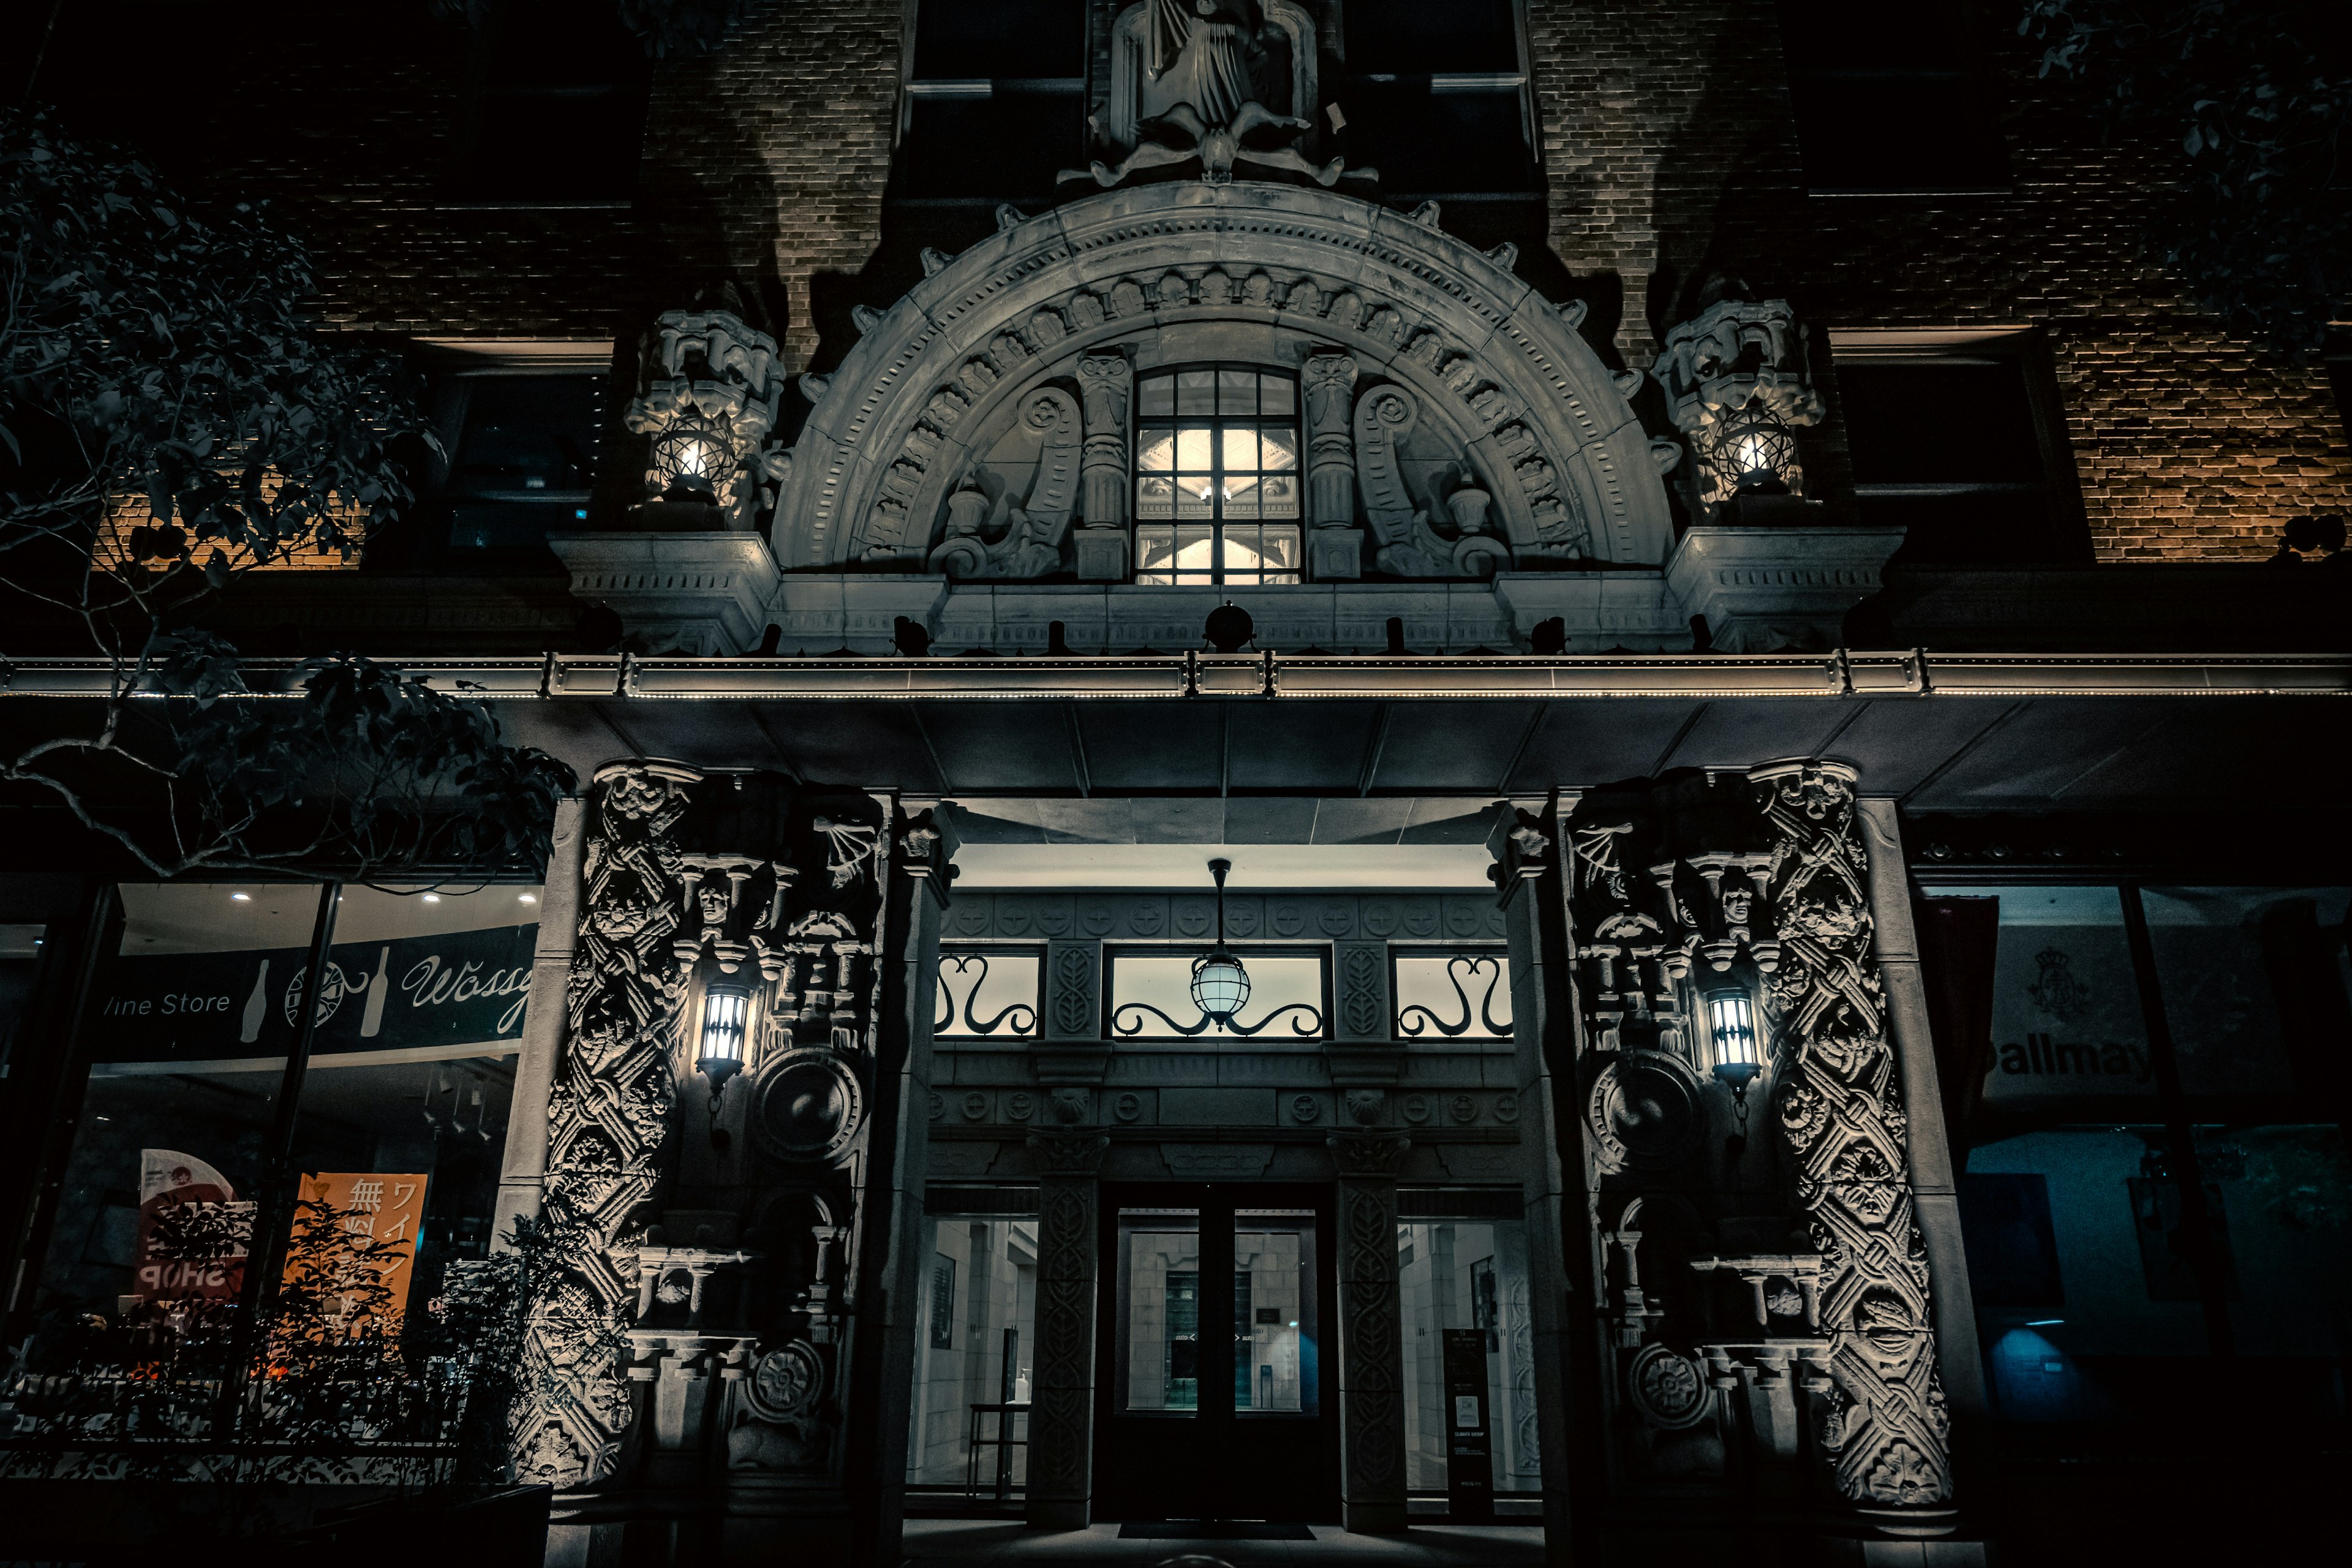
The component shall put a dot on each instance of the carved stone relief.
(1004, 540)
(1736, 385)
(1550, 436)
(1800, 1283)
(1407, 545)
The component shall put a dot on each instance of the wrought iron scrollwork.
(1311, 1023)
(1460, 966)
(1018, 1018)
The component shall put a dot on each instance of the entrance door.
(1216, 1398)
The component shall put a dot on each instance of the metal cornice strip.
(1257, 678)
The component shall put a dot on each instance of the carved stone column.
(1062, 1393)
(1371, 1348)
(1334, 545)
(608, 1114)
(1105, 383)
(1886, 1431)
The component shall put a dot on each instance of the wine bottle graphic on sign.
(373, 1019)
(256, 1006)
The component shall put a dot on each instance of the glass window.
(1435, 98)
(1151, 995)
(996, 100)
(992, 993)
(1157, 1364)
(1950, 448)
(1469, 1343)
(1885, 101)
(2067, 1031)
(396, 1146)
(1451, 994)
(2254, 987)
(975, 1349)
(1275, 1329)
(523, 463)
(1217, 489)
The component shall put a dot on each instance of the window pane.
(1152, 996)
(1195, 496)
(990, 993)
(975, 1352)
(1236, 392)
(1196, 392)
(1452, 995)
(1009, 143)
(1193, 552)
(2068, 1037)
(2084, 1305)
(1419, 140)
(1281, 447)
(1469, 1336)
(1156, 1360)
(1241, 504)
(1406, 36)
(1281, 496)
(1241, 450)
(2255, 988)
(1158, 397)
(1155, 451)
(1274, 395)
(1194, 447)
(1275, 1335)
(1957, 423)
(2283, 1195)
(955, 40)
(1153, 498)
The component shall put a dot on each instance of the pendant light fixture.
(1221, 987)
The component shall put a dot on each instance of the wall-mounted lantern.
(726, 1037)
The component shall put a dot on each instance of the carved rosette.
(608, 1113)
(1886, 1427)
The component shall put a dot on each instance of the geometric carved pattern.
(1371, 1346)
(1886, 1431)
(1061, 1417)
(607, 1113)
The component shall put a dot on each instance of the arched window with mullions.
(1217, 484)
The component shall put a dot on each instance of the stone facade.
(1666, 146)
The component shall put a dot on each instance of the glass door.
(1212, 1401)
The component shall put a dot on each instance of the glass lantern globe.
(1754, 445)
(1221, 987)
(689, 457)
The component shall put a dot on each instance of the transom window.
(1216, 487)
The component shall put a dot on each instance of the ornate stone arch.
(1546, 426)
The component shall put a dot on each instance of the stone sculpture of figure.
(1199, 84)
(1197, 52)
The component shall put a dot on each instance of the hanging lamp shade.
(1221, 987)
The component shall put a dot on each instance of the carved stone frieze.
(1548, 435)
(1371, 1398)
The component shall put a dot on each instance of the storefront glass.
(1463, 1282)
(975, 1347)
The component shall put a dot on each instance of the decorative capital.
(1367, 1155)
(1069, 1153)
(1521, 848)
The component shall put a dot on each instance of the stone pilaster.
(1105, 384)
(1885, 1427)
(1335, 546)
(524, 1169)
(1062, 1391)
(1372, 1349)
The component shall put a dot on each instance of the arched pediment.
(1545, 428)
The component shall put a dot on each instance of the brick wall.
(1671, 154)
(1665, 129)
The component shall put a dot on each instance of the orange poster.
(368, 1206)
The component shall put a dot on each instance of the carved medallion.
(786, 1380)
(809, 1105)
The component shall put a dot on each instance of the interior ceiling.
(1359, 771)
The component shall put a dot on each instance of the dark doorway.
(1216, 1394)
